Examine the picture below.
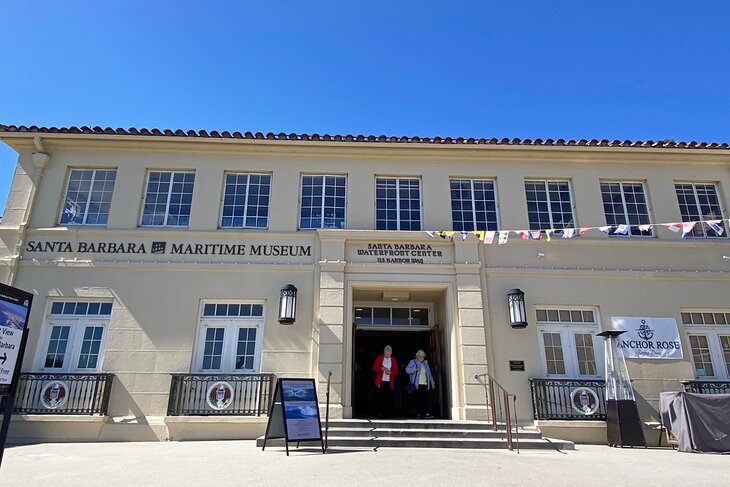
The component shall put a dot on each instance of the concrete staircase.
(434, 433)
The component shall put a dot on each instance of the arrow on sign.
(4, 357)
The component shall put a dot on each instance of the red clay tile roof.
(214, 134)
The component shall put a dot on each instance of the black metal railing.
(220, 394)
(500, 402)
(86, 394)
(573, 399)
(706, 386)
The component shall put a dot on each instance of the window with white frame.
(88, 197)
(473, 204)
(397, 203)
(230, 337)
(625, 203)
(549, 204)
(74, 335)
(568, 344)
(246, 200)
(709, 342)
(698, 202)
(168, 198)
(367, 315)
(322, 201)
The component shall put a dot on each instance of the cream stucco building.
(155, 256)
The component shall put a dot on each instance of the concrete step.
(393, 442)
(430, 433)
(425, 433)
(411, 424)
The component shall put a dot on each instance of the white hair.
(420, 353)
(388, 349)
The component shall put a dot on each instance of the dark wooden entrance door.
(368, 344)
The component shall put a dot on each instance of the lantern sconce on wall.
(288, 305)
(516, 304)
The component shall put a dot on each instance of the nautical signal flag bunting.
(714, 228)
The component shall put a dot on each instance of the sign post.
(294, 413)
(15, 307)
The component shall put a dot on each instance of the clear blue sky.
(570, 69)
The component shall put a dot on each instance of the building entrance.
(369, 344)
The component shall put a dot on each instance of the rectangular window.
(391, 316)
(246, 200)
(725, 350)
(624, 203)
(397, 203)
(88, 197)
(213, 353)
(322, 202)
(230, 336)
(701, 356)
(57, 345)
(699, 202)
(554, 353)
(75, 333)
(709, 341)
(246, 348)
(168, 199)
(569, 347)
(549, 205)
(473, 204)
(586, 355)
(90, 346)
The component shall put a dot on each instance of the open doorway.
(369, 343)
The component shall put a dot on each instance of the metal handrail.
(327, 413)
(706, 386)
(504, 409)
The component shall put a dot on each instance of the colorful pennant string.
(488, 236)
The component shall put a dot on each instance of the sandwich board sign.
(14, 310)
(294, 413)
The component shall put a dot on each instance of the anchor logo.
(645, 333)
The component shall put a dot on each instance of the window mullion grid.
(549, 203)
(397, 202)
(169, 198)
(228, 357)
(698, 206)
(71, 357)
(473, 202)
(247, 189)
(322, 204)
(88, 197)
(625, 208)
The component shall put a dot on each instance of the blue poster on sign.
(294, 413)
(300, 410)
(14, 310)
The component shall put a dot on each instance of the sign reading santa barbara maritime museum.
(647, 337)
(14, 309)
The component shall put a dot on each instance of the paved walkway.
(224, 463)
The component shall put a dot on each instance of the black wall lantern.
(517, 313)
(288, 305)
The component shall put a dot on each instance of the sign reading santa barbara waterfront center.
(14, 310)
(648, 337)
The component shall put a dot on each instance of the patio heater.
(623, 425)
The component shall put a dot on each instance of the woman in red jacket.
(386, 368)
